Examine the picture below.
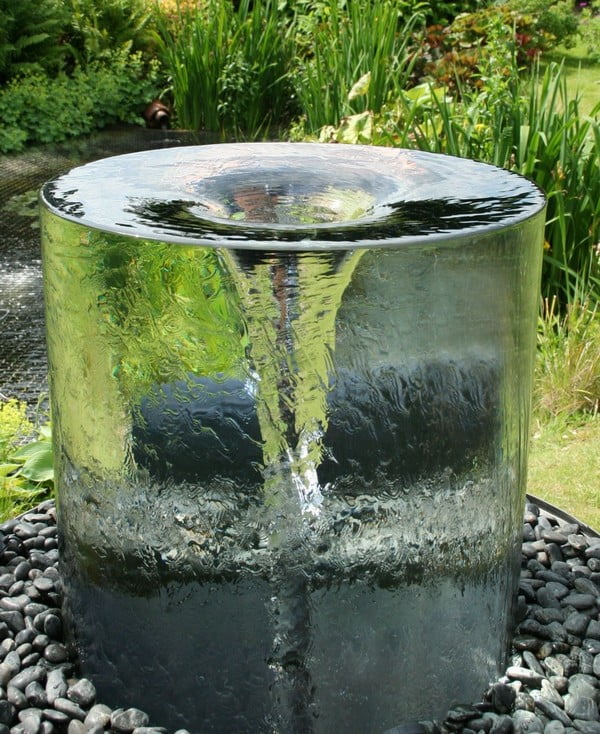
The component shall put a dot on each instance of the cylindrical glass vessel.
(290, 388)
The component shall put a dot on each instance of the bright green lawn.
(564, 468)
(583, 74)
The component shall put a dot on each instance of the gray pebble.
(551, 710)
(33, 715)
(82, 693)
(586, 663)
(128, 720)
(70, 708)
(546, 598)
(550, 614)
(6, 673)
(579, 601)
(526, 721)
(98, 715)
(593, 551)
(43, 584)
(524, 674)
(161, 730)
(583, 685)
(553, 666)
(580, 707)
(524, 701)
(551, 694)
(7, 712)
(24, 636)
(40, 642)
(13, 620)
(22, 570)
(16, 696)
(591, 645)
(596, 666)
(593, 629)
(56, 717)
(35, 694)
(6, 646)
(28, 675)
(56, 685)
(76, 727)
(554, 727)
(30, 659)
(587, 727)
(586, 586)
(532, 662)
(577, 623)
(502, 697)
(33, 609)
(53, 626)
(56, 652)
(14, 603)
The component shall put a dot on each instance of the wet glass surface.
(303, 460)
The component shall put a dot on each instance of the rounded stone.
(16, 697)
(98, 715)
(28, 675)
(554, 727)
(525, 722)
(56, 652)
(69, 708)
(581, 707)
(82, 693)
(53, 626)
(127, 720)
(502, 697)
(76, 727)
(7, 712)
(56, 685)
(36, 694)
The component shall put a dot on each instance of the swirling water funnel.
(291, 389)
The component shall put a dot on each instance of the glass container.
(290, 390)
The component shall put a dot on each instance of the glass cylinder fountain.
(290, 388)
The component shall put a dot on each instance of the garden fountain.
(290, 388)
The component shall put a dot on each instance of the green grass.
(582, 74)
(564, 467)
(564, 455)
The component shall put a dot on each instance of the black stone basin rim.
(411, 206)
(549, 509)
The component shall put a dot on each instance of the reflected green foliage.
(145, 290)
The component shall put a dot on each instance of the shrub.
(38, 109)
(98, 28)
(568, 366)
(366, 44)
(532, 128)
(229, 66)
(31, 37)
(454, 55)
(26, 462)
